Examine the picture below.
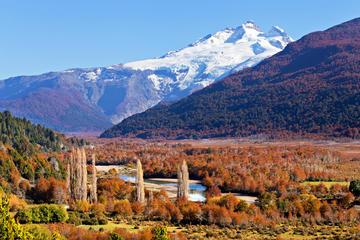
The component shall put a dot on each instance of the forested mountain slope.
(18, 131)
(93, 99)
(311, 87)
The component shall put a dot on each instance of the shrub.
(24, 215)
(103, 221)
(229, 201)
(50, 191)
(16, 203)
(46, 213)
(74, 218)
(160, 233)
(91, 221)
(9, 228)
(81, 206)
(39, 232)
(115, 236)
(123, 208)
(136, 207)
(346, 200)
(98, 209)
(58, 213)
(241, 206)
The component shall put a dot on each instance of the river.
(197, 190)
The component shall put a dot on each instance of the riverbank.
(197, 192)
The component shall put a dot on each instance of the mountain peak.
(277, 31)
(116, 92)
(310, 88)
(251, 25)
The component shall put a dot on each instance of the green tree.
(45, 213)
(115, 236)
(9, 228)
(354, 188)
(160, 233)
(267, 201)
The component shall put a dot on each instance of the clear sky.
(53, 35)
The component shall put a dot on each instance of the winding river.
(197, 190)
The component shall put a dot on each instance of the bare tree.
(183, 180)
(78, 173)
(68, 178)
(140, 192)
(73, 174)
(180, 182)
(93, 189)
(83, 175)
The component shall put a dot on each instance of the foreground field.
(250, 190)
(290, 232)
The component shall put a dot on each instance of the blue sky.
(41, 36)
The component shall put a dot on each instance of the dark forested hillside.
(311, 87)
(59, 109)
(19, 132)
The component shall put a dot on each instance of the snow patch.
(257, 48)
(156, 80)
(89, 76)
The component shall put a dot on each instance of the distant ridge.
(311, 88)
(93, 99)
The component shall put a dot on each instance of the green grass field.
(129, 227)
(292, 232)
(112, 225)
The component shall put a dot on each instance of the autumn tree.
(50, 190)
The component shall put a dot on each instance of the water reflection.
(197, 191)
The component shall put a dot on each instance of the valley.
(308, 90)
(96, 98)
(242, 134)
(237, 188)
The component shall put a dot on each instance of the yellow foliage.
(81, 206)
(214, 200)
(16, 203)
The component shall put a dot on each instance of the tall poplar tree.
(140, 192)
(93, 189)
(183, 180)
(77, 174)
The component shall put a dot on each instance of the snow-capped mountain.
(214, 56)
(110, 94)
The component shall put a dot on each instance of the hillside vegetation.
(18, 132)
(310, 88)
